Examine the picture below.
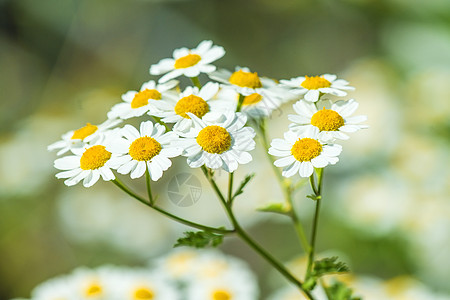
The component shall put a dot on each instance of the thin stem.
(158, 120)
(240, 102)
(124, 188)
(317, 191)
(149, 187)
(286, 188)
(196, 82)
(230, 188)
(246, 238)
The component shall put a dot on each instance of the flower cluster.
(208, 124)
(180, 275)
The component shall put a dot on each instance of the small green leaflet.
(339, 291)
(244, 182)
(329, 265)
(200, 239)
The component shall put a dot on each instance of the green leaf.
(314, 197)
(279, 208)
(200, 239)
(339, 291)
(244, 182)
(329, 265)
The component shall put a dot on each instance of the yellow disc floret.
(84, 132)
(94, 157)
(306, 149)
(193, 104)
(144, 293)
(315, 82)
(141, 98)
(187, 61)
(214, 139)
(327, 120)
(221, 295)
(144, 148)
(245, 79)
(93, 290)
(252, 99)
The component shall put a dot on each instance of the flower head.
(88, 164)
(313, 86)
(192, 100)
(189, 62)
(147, 149)
(333, 123)
(136, 104)
(301, 153)
(77, 139)
(218, 141)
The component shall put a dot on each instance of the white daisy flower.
(87, 164)
(218, 141)
(141, 284)
(138, 103)
(178, 264)
(233, 287)
(332, 123)
(56, 288)
(313, 86)
(77, 139)
(136, 151)
(301, 153)
(191, 100)
(244, 82)
(189, 62)
(93, 284)
(255, 105)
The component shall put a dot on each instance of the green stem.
(246, 238)
(317, 192)
(124, 188)
(149, 187)
(240, 102)
(230, 188)
(286, 188)
(196, 82)
(158, 120)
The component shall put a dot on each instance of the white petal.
(154, 170)
(139, 170)
(312, 95)
(209, 90)
(285, 161)
(291, 170)
(319, 161)
(67, 162)
(91, 179)
(306, 169)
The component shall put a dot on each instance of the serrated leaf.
(339, 291)
(279, 208)
(244, 182)
(200, 239)
(329, 265)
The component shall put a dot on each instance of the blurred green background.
(64, 63)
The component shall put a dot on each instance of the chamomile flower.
(301, 153)
(136, 104)
(255, 105)
(77, 139)
(189, 62)
(141, 284)
(147, 149)
(93, 284)
(233, 287)
(312, 86)
(245, 82)
(87, 164)
(332, 123)
(218, 141)
(191, 100)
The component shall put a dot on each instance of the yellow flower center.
(214, 139)
(221, 295)
(93, 290)
(245, 79)
(94, 157)
(252, 99)
(306, 149)
(143, 294)
(84, 132)
(315, 82)
(141, 98)
(192, 104)
(187, 61)
(144, 148)
(327, 120)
